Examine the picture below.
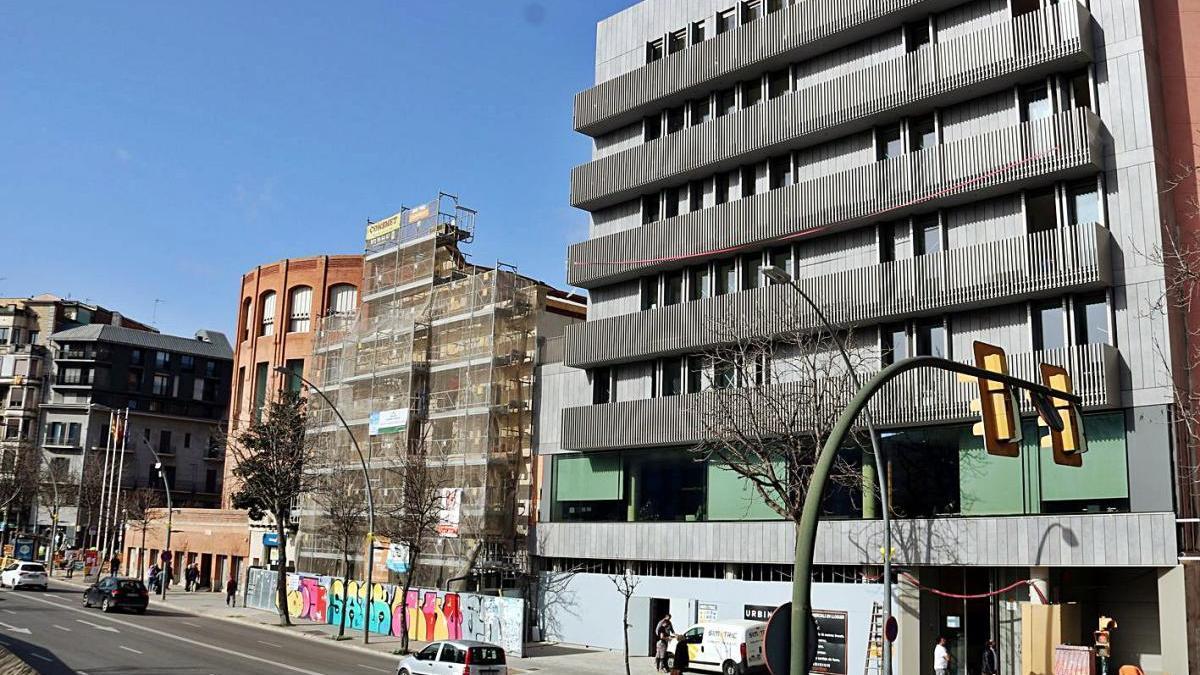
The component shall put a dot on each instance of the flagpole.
(115, 533)
(108, 446)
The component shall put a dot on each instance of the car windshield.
(487, 656)
(33, 567)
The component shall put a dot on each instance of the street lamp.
(781, 276)
(370, 502)
(158, 466)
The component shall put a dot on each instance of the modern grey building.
(177, 392)
(933, 172)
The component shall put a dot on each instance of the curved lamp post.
(158, 464)
(370, 502)
(781, 276)
(53, 518)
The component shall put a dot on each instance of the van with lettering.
(730, 647)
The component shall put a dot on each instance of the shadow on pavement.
(534, 651)
(39, 658)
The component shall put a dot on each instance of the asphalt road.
(54, 633)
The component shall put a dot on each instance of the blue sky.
(155, 150)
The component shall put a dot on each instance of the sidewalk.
(539, 657)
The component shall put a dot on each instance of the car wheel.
(404, 671)
(86, 602)
(729, 668)
(105, 606)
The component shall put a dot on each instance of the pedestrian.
(681, 662)
(152, 577)
(231, 591)
(662, 635)
(941, 658)
(114, 565)
(189, 578)
(991, 662)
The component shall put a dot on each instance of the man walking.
(189, 578)
(991, 661)
(941, 658)
(231, 591)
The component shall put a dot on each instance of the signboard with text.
(757, 612)
(388, 422)
(831, 642)
(450, 512)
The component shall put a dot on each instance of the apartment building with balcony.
(932, 172)
(177, 392)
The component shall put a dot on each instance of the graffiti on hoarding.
(432, 614)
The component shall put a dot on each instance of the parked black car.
(112, 593)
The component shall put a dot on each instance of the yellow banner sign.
(383, 227)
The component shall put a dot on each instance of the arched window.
(266, 314)
(247, 319)
(299, 309)
(343, 298)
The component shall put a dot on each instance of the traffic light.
(1000, 423)
(1103, 637)
(1062, 418)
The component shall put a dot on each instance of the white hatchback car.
(455, 657)
(29, 574)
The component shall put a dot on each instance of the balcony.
(1071, 259)
(1065, 145)
(1053, 39)
(1026, 541)
(915, 398)
(797, 32)
(82, 354)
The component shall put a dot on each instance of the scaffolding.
(454, 345)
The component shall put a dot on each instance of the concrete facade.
(990, 168)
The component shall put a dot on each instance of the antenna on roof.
(154, 317)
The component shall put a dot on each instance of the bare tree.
(18, 477)
(91, 491)
(775, 391)
(56, 489)
(626, 584)
(272, 456)
(411, 521)
(339, 493)
(142, 510)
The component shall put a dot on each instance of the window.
(649, 293)
(676, 41)
(893, 344)
(780, 171)
(653, 379)
(452, 654)
(701, 111)
(1020, 7)
(74, 430)
(1091, 320)
(299, 307)
(672, 288)
(726, 21)
(54, 433)
(649, 208)
(751, 92)
(695, 374)
(654, 50)
(922, 133)
(1083, 203)
(16, 397)
(676, 118)
(751, 270)
(927, 236)
(672, 377)
(697, 32)
(601, 386)
(187, 363)
(779, 83)
(343, 298)
(210, 481)
(747, 181)
(164, 442)
(135, 357)
(782, 258)
(1049, 331)
(237, 396)
(887, 143)
(670, 202)
(1040, 213)
(3, 336)
(1079, 88)
(260, 388)
(162, 385)
(696, 195)
(429, 653)
(916, 35)
(33, 337)
(210, 368)
(133, 379)
(266, 319)
(930, 338)
(776, 5)
(162, 361)
(721, 188)
(73, 376)
(726, 101)
(246, 319)
(887, 242)
(724, 374)
(295, 368)
(187, 440)
(652, 127)
(751, 10)
(1035, 103)
(726, 277)
(698, 283)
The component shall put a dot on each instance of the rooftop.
(212, 344)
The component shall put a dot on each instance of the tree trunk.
(345, 587)
(625, 630)
(281, 572)
(408, 577)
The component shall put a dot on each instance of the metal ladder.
(875, 646)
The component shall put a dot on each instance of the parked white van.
(733, 647)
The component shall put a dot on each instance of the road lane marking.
(193, 624)
(24, 631)
(129, 649)
(10, 611)
(362, 665)
(269, 644)
(196, 643)
(61, 627)
(98, 626)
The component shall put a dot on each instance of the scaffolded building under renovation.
(438, 362)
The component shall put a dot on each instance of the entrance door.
(659, 607)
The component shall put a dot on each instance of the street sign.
(271, 539)
(891, 629)
(24, 549)
(165, 556)
(777, 642)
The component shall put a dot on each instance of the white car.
(731, 647)
(26, 574)
(455, 657)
